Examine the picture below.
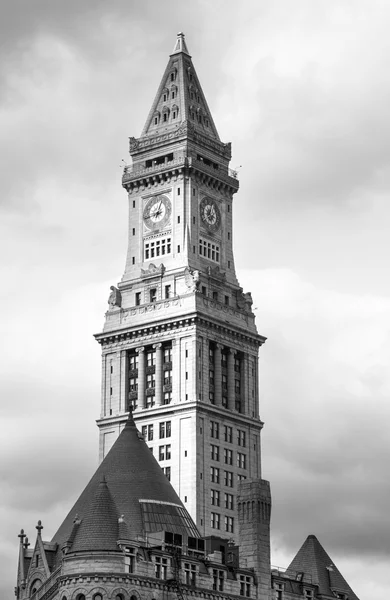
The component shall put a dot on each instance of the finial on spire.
(26, 543)
(39, 526)
(180, 45)
(21, 535)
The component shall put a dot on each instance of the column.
(176, 370)
(218, 375)
(141, 377)
(231, 380)
(124, 383)
(159, 375)
(205, 370)
(245, 400)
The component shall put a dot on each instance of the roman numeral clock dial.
(157, 212)
(210, 214)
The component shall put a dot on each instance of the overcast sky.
(302, 89)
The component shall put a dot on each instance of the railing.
(132, 171)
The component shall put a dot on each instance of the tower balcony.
(169, 168)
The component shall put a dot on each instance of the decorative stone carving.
(216, 273)
(153, 271)
(244, 301)
(192, 279)
(115, 298)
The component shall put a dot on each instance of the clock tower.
(180, 344)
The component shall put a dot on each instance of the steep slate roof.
(189, 97)
(99, 528)
(314, 561)
(125, 486)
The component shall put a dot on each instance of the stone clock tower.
(180, 344)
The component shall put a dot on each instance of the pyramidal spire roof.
(314, 561)
(128, 493)
(179, 98)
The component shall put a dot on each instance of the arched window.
(98, 597)
(119, 597)
(165, 114)
(80, 597)
(173, 92)
(173, 74)
(133, 598)
(175, 111)
(165, 94)
(156, 118)
(64, 598)
(36, 584)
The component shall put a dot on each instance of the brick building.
(177, 506)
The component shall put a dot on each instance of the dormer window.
(175, 111)
(165, 94)
(173, 75)
(156, 118)
(165, 114)
(173, 92)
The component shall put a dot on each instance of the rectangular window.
(218, 580)
(229, 501)
(237, 387)
(144, 431)
(241, 477)
(215, 520)
(215, 296)
(279, 591)
(214, 475)
(150, 432)
(308, 594)
(133, 362)
(161, 567)
(157, 247)
(209, 250)
(215, 497)
(164, 452)
(236, 365)
(228, 434)
(228, 479)
(150, 381)
(229, 524)
(138, 298)
(241, 460)
(178, 249)
(167, 397)
(227, 300)
(165, 429)
(167, 354)
(150, 358)
(211, 355)
(241, 438)
(190, 574)
(245, 585)
(228, 456)
(167, 377)
(214, 452)
(133, 385)
(214, 429)
(167, 292)
(204, 290)
(153, 294)
(224, 383)
(131, 557)
(211, 377)
(211, 397)
(133, 231)
(167, 472)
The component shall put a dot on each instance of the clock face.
(210, 214)
(157, 212)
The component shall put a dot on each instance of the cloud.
(324, 388)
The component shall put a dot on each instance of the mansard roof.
(180, 98)
(313, 561)
(128, 495)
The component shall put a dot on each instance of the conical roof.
(314, 561)
(129, 484)
(99, 528)
(180, 97)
